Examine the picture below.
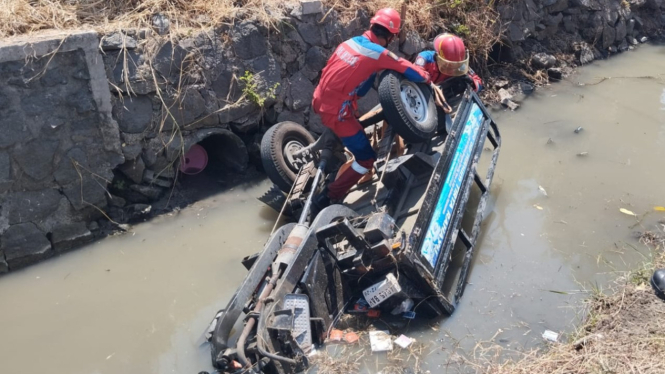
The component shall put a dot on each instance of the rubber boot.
(658, 283)
(338, 189)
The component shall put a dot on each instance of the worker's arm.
(477, 82)
(366, 86)
(389, 60)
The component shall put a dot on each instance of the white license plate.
(380, 292)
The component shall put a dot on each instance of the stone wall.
(92, 126)
(589, 29)
(170, 94)
(58, 145)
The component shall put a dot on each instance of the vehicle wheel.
(277, 147)
(409, 107)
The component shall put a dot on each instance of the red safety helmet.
(452, 58)
(388, 18)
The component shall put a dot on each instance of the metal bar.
(436, 182)
(465, 238)
(490, 170)
(234, 307)
(479, 182)
(480, 216)
(385, 146)
(305, 251)
(456, 223)
(408, 213)
(308, 203)
(464, 273)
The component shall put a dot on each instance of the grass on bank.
(475, 20)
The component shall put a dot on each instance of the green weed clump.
(252, 91)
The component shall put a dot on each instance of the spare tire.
(408, 106)
(277, 146)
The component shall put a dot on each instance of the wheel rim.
(291, 148)
(414, 101)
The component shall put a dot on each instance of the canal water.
(139, 302)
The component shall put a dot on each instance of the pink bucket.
(194, 161)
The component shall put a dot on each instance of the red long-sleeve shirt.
(351, 70)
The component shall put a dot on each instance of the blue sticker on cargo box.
(443, 212)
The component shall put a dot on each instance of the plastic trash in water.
(551, 336)
(409, 315)
(403, 307)
(336, 335)
(404, 341)
(373, 313)
(380, 341)
(361, 306)
(351, 337)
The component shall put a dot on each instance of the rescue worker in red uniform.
(348, 75)
(448, 59)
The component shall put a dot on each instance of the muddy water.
(138, 303)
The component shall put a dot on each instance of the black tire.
(273, 152)
(411, 126)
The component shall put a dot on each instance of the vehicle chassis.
(349, 248)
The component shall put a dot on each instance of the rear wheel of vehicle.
(278, 145)
(409, 107)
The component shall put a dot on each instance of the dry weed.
(475, 20)
(25, 16)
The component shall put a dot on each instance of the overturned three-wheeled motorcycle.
(387, 247)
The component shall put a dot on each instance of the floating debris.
(538, 207)
(550, 141)
(542, 190)
(628, 212)
(659, 208)
(351, 337)
(336, 335)
(577, 130)
(403, 307)
(380, 341)
(583, 154)
(551, 336)
(404, 341)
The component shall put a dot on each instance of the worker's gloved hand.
(440, 99)
(468, 80)
(423, 73)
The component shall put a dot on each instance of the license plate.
(380, 292)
